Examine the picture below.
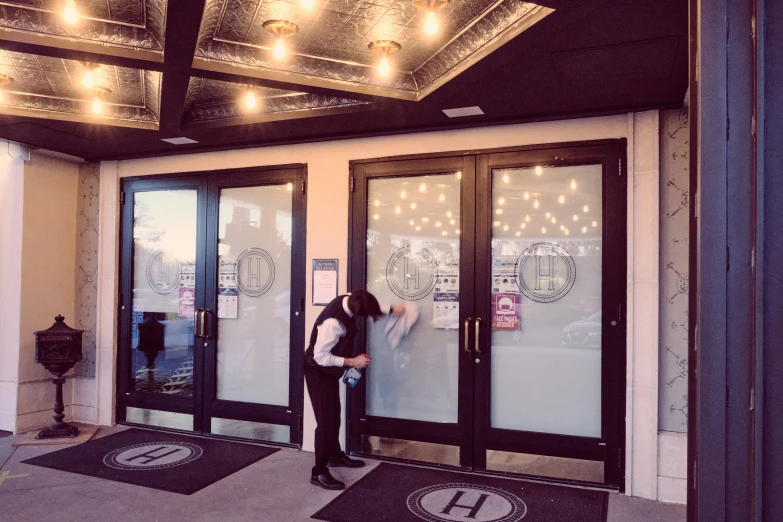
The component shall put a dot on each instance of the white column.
(108, 264)
(11, 205)
(643, 260)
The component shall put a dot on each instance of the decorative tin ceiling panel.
(52, 88)
(330, 47)
(219, 103)
(137, 24)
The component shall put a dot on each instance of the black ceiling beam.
(290, 86)
(182, 31)
(86, 52)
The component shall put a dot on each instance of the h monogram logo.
(162, 277)
(548, 276)
(466, 503)
(545, 272)
(411, 274)
(153, 455)
(474, 509)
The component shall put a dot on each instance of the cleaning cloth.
(399, 326)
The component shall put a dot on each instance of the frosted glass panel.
(546, 300)
(413, 256)
(254, 294)
(164, 253)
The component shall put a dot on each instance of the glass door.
(255, 313)
(414, 228)
(516, 262)
(212, 324)
(551, 296)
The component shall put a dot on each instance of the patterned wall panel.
(87, 263)
(674, 238)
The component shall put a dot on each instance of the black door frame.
(203, 404)
(475, 251)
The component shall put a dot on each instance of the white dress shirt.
(329, 334)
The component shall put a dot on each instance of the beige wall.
(11, 199)
(47, 276)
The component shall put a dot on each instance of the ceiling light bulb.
(431, 23)
(250, 100)
(398, 210)
(548, 215)
(452, 222)
(527, 218)
(307, 5)
(413, 205)
(535, 204)
(522, 225)
(425, 219)
(505, 178)
(376, 203)
(376, 216)
(573, 184)
(437, 224)
(567, 232)
(448, 214)
(457, 231)
(459, 174)
(418, 228)
(519, 233)
(554, 220)
(1, 95)
(70, 14)
(402, 194)
(584, 230)
(383, 67)
(412, 222)
(539, 171)
(496, 223)
(561, 199)
(442, 197)
(562, 227)
(445, 233)
(422, 188)
(586, 208)
(499, 211)
(595, 224)
(280, 48)
(505, 227)
(543, 230)
(88, 79)
(576, 218)
(97, 106)
(501, 201)
(526, 196)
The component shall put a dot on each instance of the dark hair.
(362, 303)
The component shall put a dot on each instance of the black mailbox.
(59, 344)
(58, 348)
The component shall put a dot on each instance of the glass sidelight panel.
(546, 299)
(254, 294)
(413, 246)
(164, 252)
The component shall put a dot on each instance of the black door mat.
(166, 461)
(408, 494)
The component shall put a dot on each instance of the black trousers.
(324, 391)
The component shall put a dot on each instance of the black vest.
(344, 347)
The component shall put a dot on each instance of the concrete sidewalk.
(275, 488)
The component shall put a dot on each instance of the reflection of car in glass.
(584, 332)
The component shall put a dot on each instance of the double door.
(211, 303)
(515, 261)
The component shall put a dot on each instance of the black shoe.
(326, 481)
(345, 462)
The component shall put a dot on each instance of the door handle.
(198, 323)
(204, 326)
(478, 338)
(467, 334)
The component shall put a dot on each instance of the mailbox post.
(58, 349)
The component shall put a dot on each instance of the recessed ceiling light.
(179, 141)
(463, 111)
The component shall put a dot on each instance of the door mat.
(409, 494)
(166, 461)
